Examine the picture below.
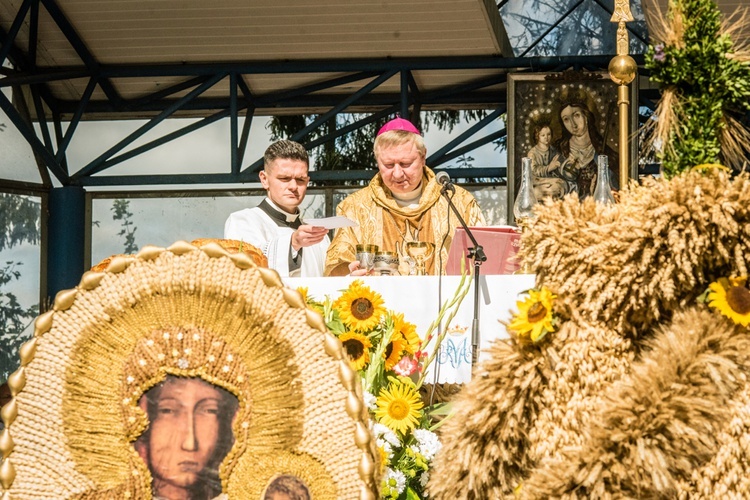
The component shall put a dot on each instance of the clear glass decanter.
(523, 208)
(603, 191)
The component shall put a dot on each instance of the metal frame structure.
(51, 113)
(58, 119)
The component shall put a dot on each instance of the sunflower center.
(537, 312)
(388, 350)
(398, 410)
(738, 298)
(362, 308)
(354, 348)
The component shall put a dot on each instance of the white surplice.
(254, 226)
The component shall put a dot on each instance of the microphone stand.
(477, 254)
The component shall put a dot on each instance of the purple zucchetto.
(399, 124)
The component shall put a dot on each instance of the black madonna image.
(189, 435)
(185, 373)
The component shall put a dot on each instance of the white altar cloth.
(418, 298)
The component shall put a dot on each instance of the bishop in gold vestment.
(402, 203)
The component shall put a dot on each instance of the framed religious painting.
(563, 122)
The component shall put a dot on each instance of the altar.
(419, 299)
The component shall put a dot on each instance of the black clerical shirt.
(283, 219)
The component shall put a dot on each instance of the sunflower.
(409, 332)
(534, 316)
(357, 348)
(359, 307)
(399, 407)
(394, 350)
(310, 302)
(731, 298)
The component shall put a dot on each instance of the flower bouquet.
(392, 360)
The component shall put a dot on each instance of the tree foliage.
(353, 151)
(121, 211)
(19, 219)
(14, 318)
(697, 65)
(551, 28)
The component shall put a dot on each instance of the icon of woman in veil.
(189, 434)
(581, 143)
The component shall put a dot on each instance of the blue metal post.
(65, 246)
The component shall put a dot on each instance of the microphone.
(444, 180)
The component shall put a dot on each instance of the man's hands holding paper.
(307, 235)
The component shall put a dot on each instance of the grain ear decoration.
(643, 391)
(187, 313)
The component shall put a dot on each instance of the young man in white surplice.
(293, 248)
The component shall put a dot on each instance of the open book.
(500, 244)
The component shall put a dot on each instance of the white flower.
(424, 478)
(383, 436)
(370, 400)
(394, 480)
(388, 451)
(428, 443)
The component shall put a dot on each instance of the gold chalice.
(420, 251)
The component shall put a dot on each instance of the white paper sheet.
(331, 222)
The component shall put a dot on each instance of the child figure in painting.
(287, 487)
(545, 165)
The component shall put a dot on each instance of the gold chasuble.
(384, 223)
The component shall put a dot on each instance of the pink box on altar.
(500, 244)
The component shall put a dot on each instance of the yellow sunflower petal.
(359, 307)
(732, 300)
(705, 167)
(738, 281)
(383, 455)
(399, 407)
(534, 318)
(357, 347)
(409, 332)
(394, 351)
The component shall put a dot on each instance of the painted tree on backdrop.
(19, 218)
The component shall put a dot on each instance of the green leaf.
(703, 298)
(411, 494)
(440, 409)
(336, 326)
